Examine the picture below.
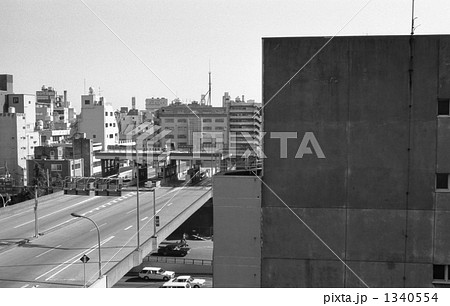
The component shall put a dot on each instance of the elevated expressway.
(52, 259)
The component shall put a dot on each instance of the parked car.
(187, 279)
(173, 250)
(175, 285)
(156, 273)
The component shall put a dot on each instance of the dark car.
(172, 250)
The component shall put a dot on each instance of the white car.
(194, 282)
(156, 273)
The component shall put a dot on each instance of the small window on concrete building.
(86, 102)
(111, 113)
(111, 135)
(440, 272)
(443, 107)
(106, 113)
(106, 124)
(94, 136)
(441, 180)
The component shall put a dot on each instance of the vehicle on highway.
(172, 250)
(148, 273)
(187, 279)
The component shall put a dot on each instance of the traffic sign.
(84, 259)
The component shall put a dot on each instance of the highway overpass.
(53, 258)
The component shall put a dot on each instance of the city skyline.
(74, 45)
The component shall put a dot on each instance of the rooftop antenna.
(209, 88)
(412, 19)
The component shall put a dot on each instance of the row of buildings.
(44, 131)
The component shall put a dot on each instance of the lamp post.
(98, 233)
(154, 212)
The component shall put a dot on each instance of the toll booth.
(108, 187)
(79, 186)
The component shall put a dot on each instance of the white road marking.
(48, 251)
(25, 286)
(55, 212)
(125, 229)
(60, 224)
(169, 204)
(74, 259)
(94, 229)
(158, 210)
(131, 211)
(144, 218)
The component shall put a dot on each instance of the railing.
(174, 260)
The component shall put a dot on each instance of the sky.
(165, 48)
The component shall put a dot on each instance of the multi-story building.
(24, 104)
(153, 104)
(19, 143)
(244, 127)
(56, 162)
(355, 186)
(6, 88)
(97, 120)
(194, 125)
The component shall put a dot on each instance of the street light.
(154, 212)
(99, 252)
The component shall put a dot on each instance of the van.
(148, 273)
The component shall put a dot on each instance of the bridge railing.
(175, 260)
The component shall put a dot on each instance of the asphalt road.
(53, 259)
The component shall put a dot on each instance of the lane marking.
(125, 229)
(55, 212)
(169, 204)
(75, 259)
(48, 251)
(60, 224)
(25, 286)
(131, 211)
(94, 229)
(144, 218)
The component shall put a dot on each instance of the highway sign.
(84, 259)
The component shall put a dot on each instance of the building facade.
(245, 127)
(355, 186)
(357, 146)
(194, 125)
(97, 120)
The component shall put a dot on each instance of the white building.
(97, 120)
(20, 145)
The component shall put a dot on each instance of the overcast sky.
(61, 43)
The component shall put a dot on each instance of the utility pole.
(137, 203)
(36, 226)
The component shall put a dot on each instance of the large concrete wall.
(237, 231)
(372, 198)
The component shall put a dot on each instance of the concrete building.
(19, 143)
(357, 150)
(244, 127)
(195, 125)
(23, 104)
(6, 88)
(153, 104)
(97, 120)
(85, 148)
(57, 161)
